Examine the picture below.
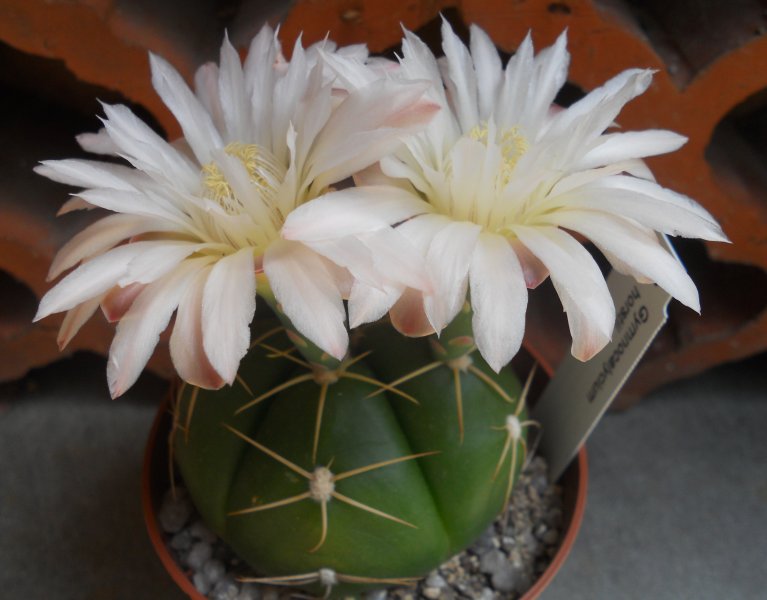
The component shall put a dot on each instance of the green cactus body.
(339, 484)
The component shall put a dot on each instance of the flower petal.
(498, 299)
(117, 301)
(186, 341)
(579, 284)
(233, 98)
(99, 237)
(74, 320)
(228, 306)
(408, 315)
(447, 262)
(459, 78)
(195, 121)
(368, 303)
(352, 211)
(139, 330)
(308, 294)
(636, 249)
(617, 147)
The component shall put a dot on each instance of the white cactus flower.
(491, 192)
(197, 223)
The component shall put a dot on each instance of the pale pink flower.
(491, 191)
(196, 221)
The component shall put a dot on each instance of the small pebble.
(214, 570)
(376, 595)
(200, 531)
(201, 583)
(182, 540)
(249, 591)
(432, 592)
(492, 562)
(225, 589)
(174, 511)
(198, 555)
(435, 580)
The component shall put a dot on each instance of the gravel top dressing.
(502, 564)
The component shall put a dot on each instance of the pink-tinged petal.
(447, 262)
(308, 294)
(635, 250)
(186, 341)
(195, 121)
(228, 306)
(139, 330)
(118, 301)
(498, 299)
(368, 303)
(534, 270)
(366, 126)
(97, 238)
(73, 204)
(579, 284)
(352, 211)
(408, 315)
(93, 278)
(74, 320)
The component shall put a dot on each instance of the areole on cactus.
(365, 475)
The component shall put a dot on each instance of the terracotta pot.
(155, 481)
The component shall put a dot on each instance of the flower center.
(264, 173)
(511, 143)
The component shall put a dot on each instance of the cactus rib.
(322, 486)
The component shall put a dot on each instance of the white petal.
(498, 299)
(513, 96)
(148, 151)
(579, 284)
(158, 259)
(92, 278)
(87, 173)
(459, 78)
(308, 294)
(447, 261)
(233, 96)
(98, 143)
(228, 306)
(351, 212)
(186, 340)
(636, 249)
(146, 204)
(550, 67)
(139, 330)
(650, 204)
(618, 147)
(206, 89)
(487, 64)
(195, 121)
(368, 303)
(99, 237)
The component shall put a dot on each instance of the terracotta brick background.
(59, 56)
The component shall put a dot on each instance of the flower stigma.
(511, 143)
(264, 172)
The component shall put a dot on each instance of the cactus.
(366, 475)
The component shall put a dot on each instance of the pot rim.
(575, 475)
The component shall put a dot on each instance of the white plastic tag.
(580, 392)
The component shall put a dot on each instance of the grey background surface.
(677, 505)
